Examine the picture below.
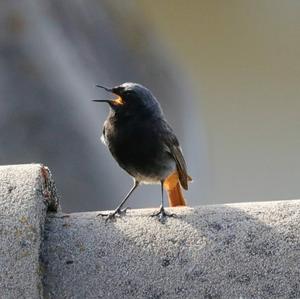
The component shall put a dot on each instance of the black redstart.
(144, 145)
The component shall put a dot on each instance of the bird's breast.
(138, 148)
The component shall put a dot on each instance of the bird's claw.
(162, 215)
(114, 214)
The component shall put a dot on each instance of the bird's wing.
(174, 149)
(180, 165)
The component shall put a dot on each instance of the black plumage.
(140, 139)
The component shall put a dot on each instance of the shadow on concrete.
(208, 252)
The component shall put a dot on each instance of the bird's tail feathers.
(173, 188)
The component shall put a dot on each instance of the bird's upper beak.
(115, 102)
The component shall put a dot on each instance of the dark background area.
(52, 55)
(226, 74)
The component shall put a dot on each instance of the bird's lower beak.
(101, 101)
(115, 102)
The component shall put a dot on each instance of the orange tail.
(174, 191)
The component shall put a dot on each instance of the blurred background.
(227, 74)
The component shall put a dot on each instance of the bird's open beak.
(105, 88)
(115, 102)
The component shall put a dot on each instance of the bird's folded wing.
(173, 148)
(180, 165)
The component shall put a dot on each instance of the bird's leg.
(162, 214)
(119, 211)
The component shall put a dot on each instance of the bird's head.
(131, 97)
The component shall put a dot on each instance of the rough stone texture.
(25, 193)
(226, 251)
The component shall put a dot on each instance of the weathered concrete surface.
(26, 191)
(226, 251)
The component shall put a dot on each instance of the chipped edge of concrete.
(49, 190)
(51, 200)
(41, 194)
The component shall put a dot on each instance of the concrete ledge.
(226, 251)
(26, 191)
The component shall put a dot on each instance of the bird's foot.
(114, 214)
(162, 215)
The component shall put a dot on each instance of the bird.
(143, 143)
